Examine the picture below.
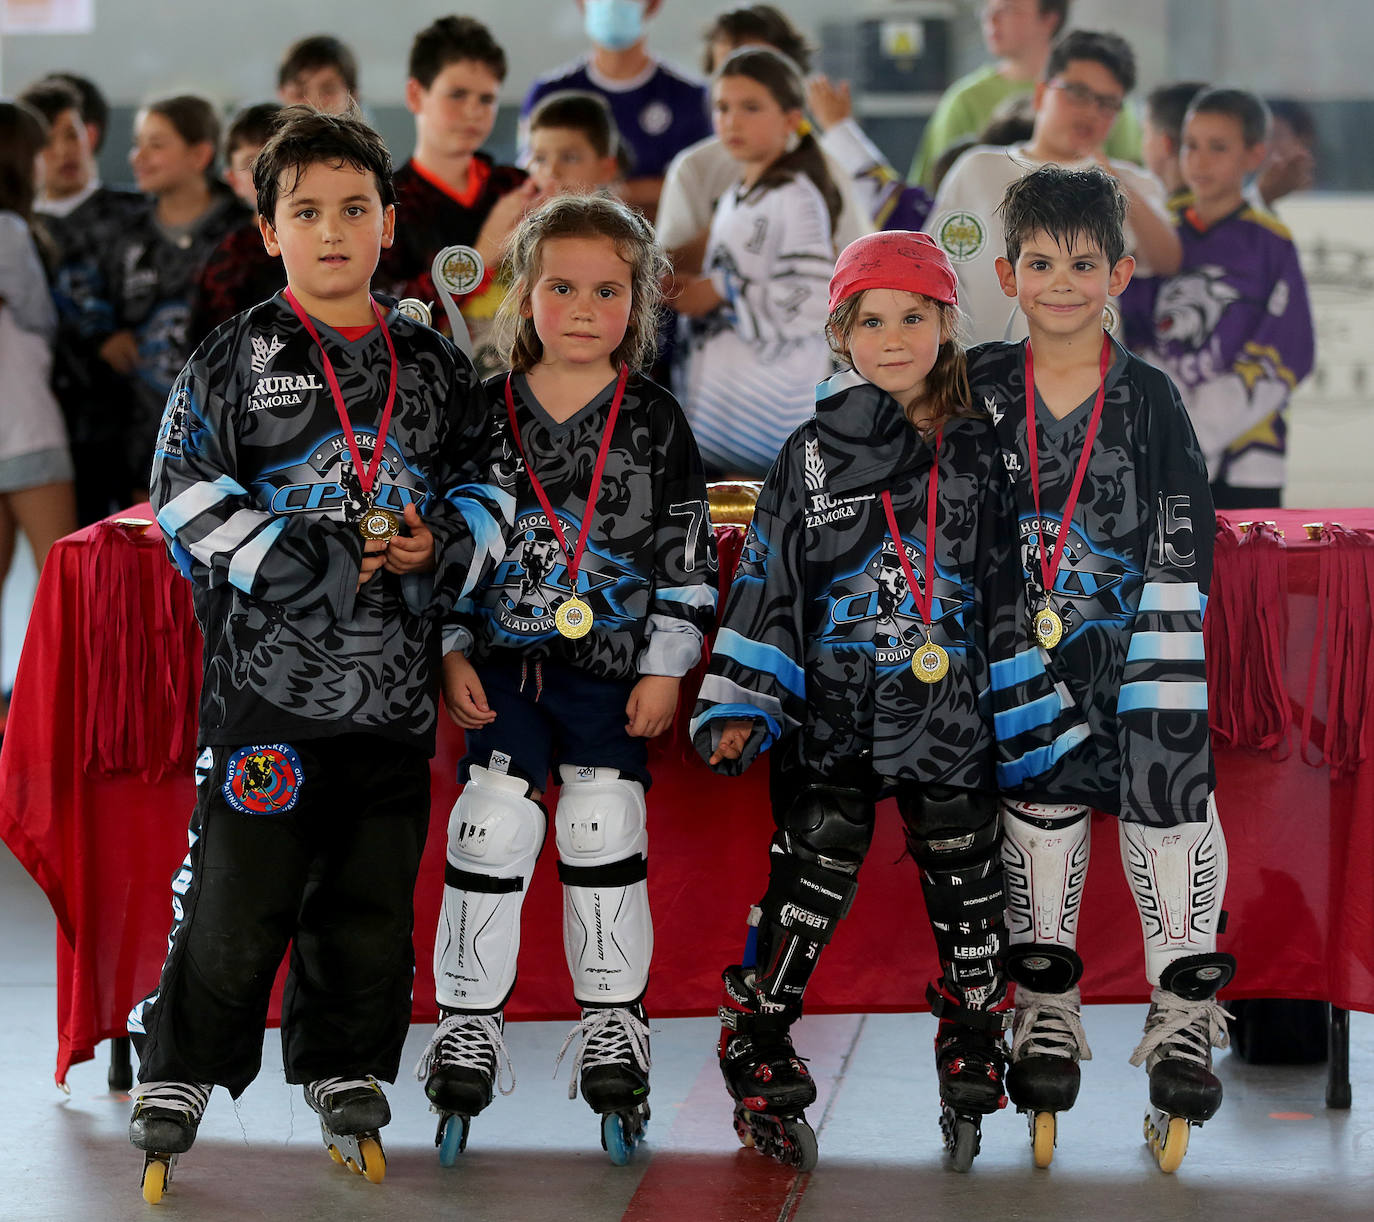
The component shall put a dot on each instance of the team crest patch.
(962, 235)
(263, 780)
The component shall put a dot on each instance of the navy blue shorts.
(548, 714)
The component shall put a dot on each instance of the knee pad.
(1045, 850)
(830, 826)
(495, 832)
(601, 827)
(1178, 877)
(948, 827)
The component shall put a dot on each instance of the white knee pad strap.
(1178, 877)
(495, 833)
(1045, 851)
(601, 827)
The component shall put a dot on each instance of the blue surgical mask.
(614, 24)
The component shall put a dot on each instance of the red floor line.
(702, 1174)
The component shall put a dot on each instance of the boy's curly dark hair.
(305, 136)
(1067, 205)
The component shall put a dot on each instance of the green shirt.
(968, 104)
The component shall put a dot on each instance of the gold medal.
(413, 307)
(930, 663)
(1049, 628)
(379, 524)
(573, 619)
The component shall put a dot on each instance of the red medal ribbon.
(366, 475)
(574, 559)
(1049, 568)
(923, 598)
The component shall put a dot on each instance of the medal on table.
(1047, 628)
(456, 272)
(929, 662)
(573, 616)
(372, 523)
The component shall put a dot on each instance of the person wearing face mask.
(658, 110)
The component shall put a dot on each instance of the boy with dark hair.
(320, 70)
(239, 273)
(294, 508)
(1233, 327)
(1086, 80)
(1165, 108)
(83, 219)
(573, 143)
(1116, 530)
(95, 110)
(449, 192)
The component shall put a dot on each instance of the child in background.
(758, 348)
(575, 650)
(858, 642)
(1233, 328)
(239, 273)
(573, 144)
(36, 493)
(282, 499)
(1162, 132)
(152, 269)
(1116, 530)
(320, 71)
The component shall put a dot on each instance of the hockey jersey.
(1234, 331)
(255, 492)
(237, 276)
(1130, 590)
(649, 569)
(821, 627)
(754, 362)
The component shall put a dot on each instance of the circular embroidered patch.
(962, 235)
(263, 780)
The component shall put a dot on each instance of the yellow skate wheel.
(1169, 1145)
(154, 1180)
(335, 1155)
(1042, 1138)
(374, 1161)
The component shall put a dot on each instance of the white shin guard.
(1045, 853)
(601, 827)
(1178, 877)
(495, 833)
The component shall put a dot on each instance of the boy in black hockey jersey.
(576, 650)
(1116, 527)
(317, 715)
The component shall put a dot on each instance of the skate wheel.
(1043, 1126)
(453, 1139)
(374, 1161)
(154, 1180)
(335, 1155)
(1168, 1139)
(802, 1150)
(963, 1144)
(615, 1139)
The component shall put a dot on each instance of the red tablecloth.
(103, 847)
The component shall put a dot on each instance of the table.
(104, 843)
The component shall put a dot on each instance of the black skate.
(970, 1059)
(1184, 1024)
(351, 1112)
(613, 1064)
(1047, 1041)
(764, 1075)
(165, 1119)
(460, 1068)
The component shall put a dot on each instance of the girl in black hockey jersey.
(758, 349)
(858, 639)
(575, 649)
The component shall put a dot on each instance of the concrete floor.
(1274, 1151)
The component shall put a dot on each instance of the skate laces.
(1179, 1029)
(323, 1090)
(1048, 1025)
(469, 1041)
(609, 1038)
(188, 1097)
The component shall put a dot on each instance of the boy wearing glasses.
(1086, 80)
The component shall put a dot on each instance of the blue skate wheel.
(613, 1138)
(453, 1139)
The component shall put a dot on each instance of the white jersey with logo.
(965, 222)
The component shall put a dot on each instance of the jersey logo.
(263, 780)
(1191, 304)
(1090, 586)
(962, 235)
(263, 351)
(173, 431)
(655, 118)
